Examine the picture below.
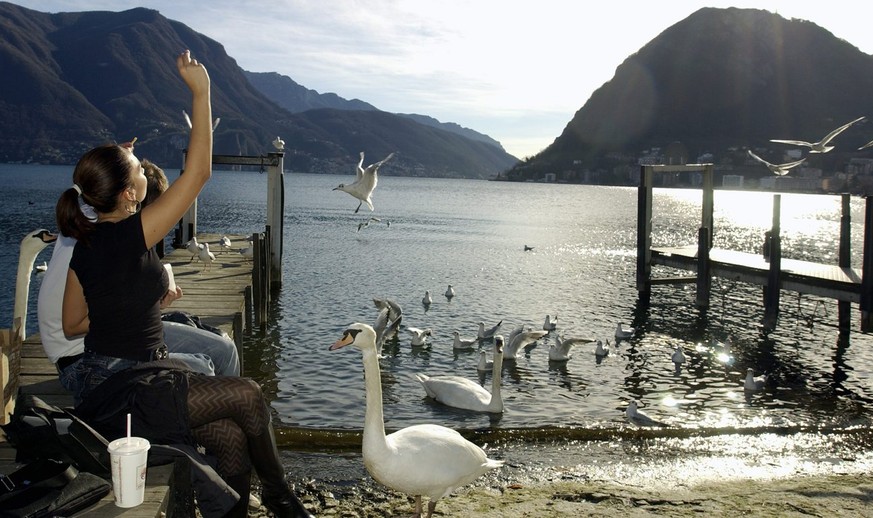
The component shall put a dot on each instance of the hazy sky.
(515, 70)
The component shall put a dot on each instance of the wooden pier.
(841, 281)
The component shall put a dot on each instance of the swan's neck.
(22, 292)
(374, 420)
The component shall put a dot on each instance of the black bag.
(39, 430)
(49, 488)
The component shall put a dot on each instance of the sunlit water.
(472, 234)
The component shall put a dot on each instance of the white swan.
(753, 383)
(550, 324)
(485, 334)
(31, 246)
(635, 416)
(560, 350)
(520, 340)
(623, 333)
(822, 145)
(424, 459)
(462, 344)
(419, 336)
(459, 392)
(365, 182)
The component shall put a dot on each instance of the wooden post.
(10, 367)
(844, 307)
(258, 282)
(708, 204)
(771, 290)
(276, 217)
(704, 276)
(867, 270)
(644, 235)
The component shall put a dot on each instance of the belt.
(65, 361)
(161, 353)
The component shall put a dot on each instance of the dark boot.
(276, 496)
(242, 484)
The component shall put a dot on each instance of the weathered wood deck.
(805, 277)
(216, 294)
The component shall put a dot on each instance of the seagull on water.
(822, 145)
(637, 417)
(527, 248)
(777, 169)
(419, 336)
(600, 351)
(623, 333)
(365, 182)
(550, 323)
(678, 356)
(450, 292)
(485, 334)
(427, 299)
(463, 343)
(753, 383)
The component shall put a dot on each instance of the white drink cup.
(129, 456)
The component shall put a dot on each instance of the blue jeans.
(84, 375)
(190, 344)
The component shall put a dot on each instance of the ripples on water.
(472, 234)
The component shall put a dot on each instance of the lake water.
(472, 234)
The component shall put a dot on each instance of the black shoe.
(284, 504)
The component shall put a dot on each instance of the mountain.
(717, 82)
(75, 80)
(295, 98)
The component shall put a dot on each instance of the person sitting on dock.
(115, 285)
(203, 351)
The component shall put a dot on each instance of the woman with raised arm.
(113, 295)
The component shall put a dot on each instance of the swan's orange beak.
(342, 342)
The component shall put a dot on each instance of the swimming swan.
(424, 459)
(460, 392)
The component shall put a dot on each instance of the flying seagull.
(777, 169)
(188, 121)
(822, 145)
(365, 182)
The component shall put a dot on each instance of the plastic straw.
(128, 427)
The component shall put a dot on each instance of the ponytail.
(72, 222)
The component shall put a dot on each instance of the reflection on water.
(472, 234)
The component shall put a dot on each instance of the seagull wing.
(782, 169)
(792, 142)
(759, 159)
(187, 119)
(865, 146)
(360, 170)
(839, 130)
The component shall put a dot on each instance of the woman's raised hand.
(193, 73)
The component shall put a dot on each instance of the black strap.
(43, 473)
(65, 361)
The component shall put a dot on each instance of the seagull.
(206, 256)
(550, 324)
(426, 300)
(678, 356)
(450, 292)
(600, 350)
(485, 334)
(623, 333)
(193, 247)
(560, 350)
(520, 340)
(639, 418)
(365, 182)
(484, 365)
(248, 251)
(225, 243)
(865, 146)
(528, 248)
(394, 309)
(279, 144)
(385, 328)
(753, 383)
(777, 169)
(188, 121)
(822, 145)
(419, 336)
(462, 343)
(42, 267)
(365, 224)
(423, 459)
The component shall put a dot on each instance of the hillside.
(75, 80)
(719, 80)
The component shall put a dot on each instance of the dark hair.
(102, 173)
(156, 181)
